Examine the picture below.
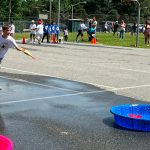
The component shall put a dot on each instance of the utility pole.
(9, 10)
(50, 10)
(58, 12)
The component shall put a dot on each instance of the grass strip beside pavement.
(102, 38)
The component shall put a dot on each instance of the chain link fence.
(24, 23)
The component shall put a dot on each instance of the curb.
(83, 44)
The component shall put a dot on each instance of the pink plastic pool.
(5, 143)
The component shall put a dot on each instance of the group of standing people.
(122, 26)
(91, 29)
(119, 28)
(40, 31)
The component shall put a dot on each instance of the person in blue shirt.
(57, 31)
(91, 33)
(46, 25)
(50, 31)
(53, 28)
(53, 32)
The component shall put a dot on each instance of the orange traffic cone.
(53, 39)
(23, 40)
(93, 40)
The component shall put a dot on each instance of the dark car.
(129, 27)
(62, 26)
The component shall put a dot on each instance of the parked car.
(129, 27)
(62, 26)
(106, 26)
(141, 28)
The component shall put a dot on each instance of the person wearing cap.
(115, 26)
(32, 31)
(39, 31)
(6, 42)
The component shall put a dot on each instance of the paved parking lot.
(62, 100)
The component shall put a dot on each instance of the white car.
(141, 28)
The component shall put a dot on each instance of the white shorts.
(39, 36)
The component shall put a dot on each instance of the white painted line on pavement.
(21, 80)
(134, 70)
(67, 95)
(98, 85)
(50, 97)
(109, 88)
(131, 87)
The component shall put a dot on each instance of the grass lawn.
(103, 38)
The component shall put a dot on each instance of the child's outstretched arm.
(25, 51)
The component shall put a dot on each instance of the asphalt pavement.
(62, 100)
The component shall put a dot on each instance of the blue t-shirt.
(91, 30)
(53, 29)
(57, 29)
(46, 28)
(50, 29)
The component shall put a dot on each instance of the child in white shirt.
(6, 42)
(65, 34)
(39, 31)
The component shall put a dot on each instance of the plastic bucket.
(5, 143)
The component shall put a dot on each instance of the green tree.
(31, 8)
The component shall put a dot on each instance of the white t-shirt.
(1, 31)
(33, 28)
(94, 24)
(12, 29)
(9, 42)
(82, 26)
(65, 32)
(39, 29)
